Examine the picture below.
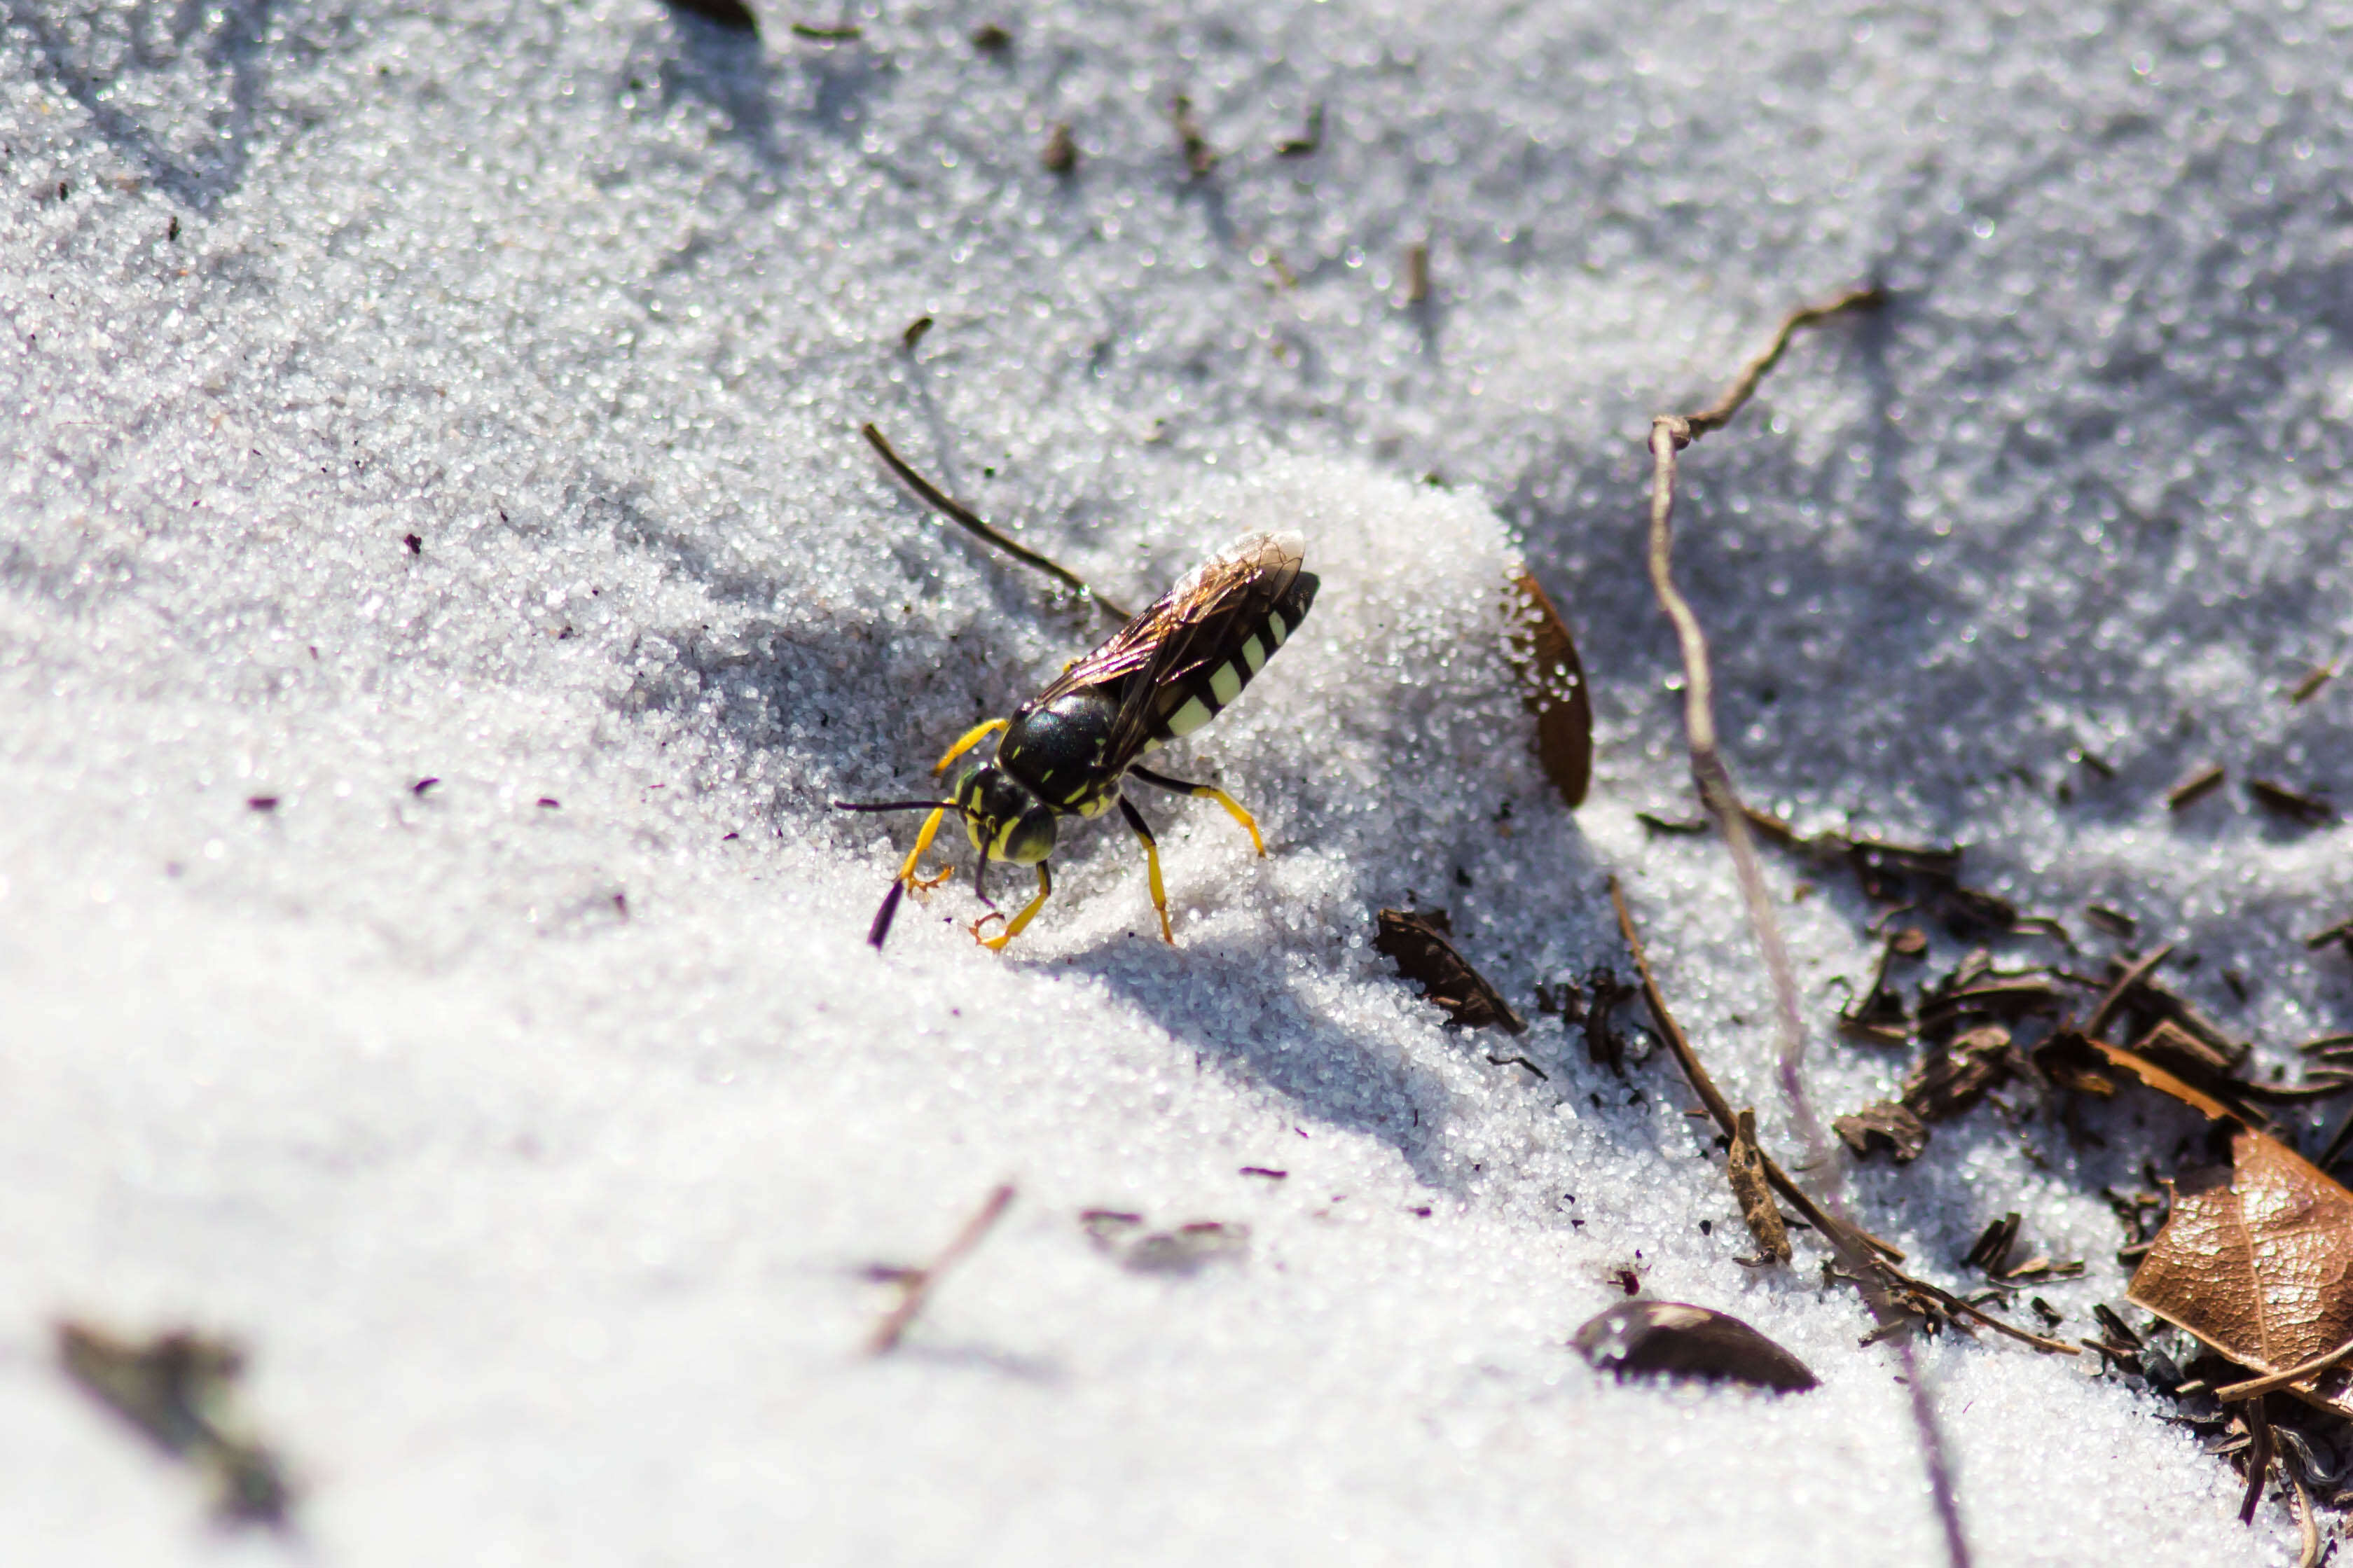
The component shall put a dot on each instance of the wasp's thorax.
(1005, 819)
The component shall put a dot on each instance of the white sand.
(537, 1150)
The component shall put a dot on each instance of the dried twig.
(1670, 433)
(964, 518)
(2256, 1388)
(916, 1284)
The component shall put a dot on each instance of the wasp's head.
(1006, 820)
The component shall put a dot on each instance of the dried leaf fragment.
(1419, 945)
(1684, 1340)
(1746, 1167)
(1887, 1126)
(1553, 689)
(177, 1389)
(1954, 1078)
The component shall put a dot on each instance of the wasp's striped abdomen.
(1201, 693)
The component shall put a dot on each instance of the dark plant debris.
(2113, 922)
(731, 14)
(914, 332)
(1879, 1013)
(1671, 1338)
(1416, 274)
(1921, 876)
(1305, 145)
(1673, 827)
(1200, 158)
(2313, 679)
(1887, 1125)
(991, 39)
(2194, 788)
(822, 32)
(179, 1389)
(1060, 154)
(2280, 801)
(1421, 946)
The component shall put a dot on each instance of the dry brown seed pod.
(1684, 1340)
(1553, 689)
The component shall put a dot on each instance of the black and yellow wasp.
(1069, 749)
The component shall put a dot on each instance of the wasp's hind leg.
(1151, 866)
(966, 742)
(1202, 792)
(1013, 927)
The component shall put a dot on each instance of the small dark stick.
(1061, 154)
(1200, 158)
(914, 332)
(817, 33)
(2313, 679)
(1416, 274)
(2294, 804)
(917, 1284)
(2194, 788)
(962, 517)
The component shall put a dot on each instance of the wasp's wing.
(1192, 632)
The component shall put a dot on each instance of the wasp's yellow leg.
(966, 742)
(1151, 866)
(922, 842)
(1207, 791)
(1013, 927)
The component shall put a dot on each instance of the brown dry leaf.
(1419, 945)
(1746, 1166)
(2258, 1263)
(1886, 1125)
(1554, 683)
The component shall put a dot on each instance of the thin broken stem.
(964, 518)
(918, 1284)
(2134, 973)
(1680, 1046)
(2256, 1388)
(1851, 1243)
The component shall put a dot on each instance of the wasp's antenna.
(895, 806)
(880, 929)
(964, 518)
